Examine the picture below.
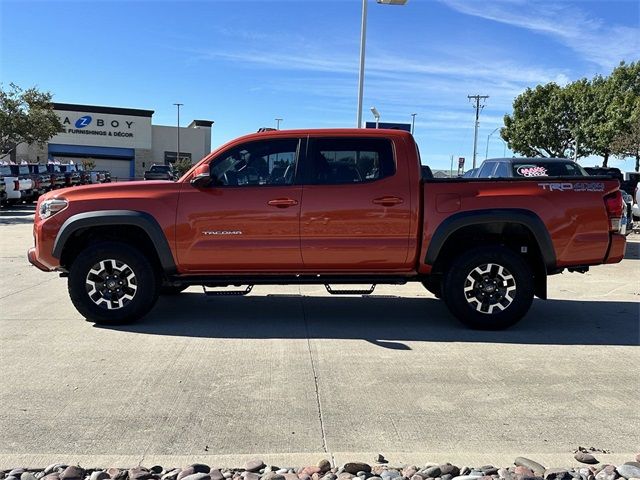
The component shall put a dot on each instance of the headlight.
(49, 208)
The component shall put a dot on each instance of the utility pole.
(413, 122)
(478, 107)
(178, 130)
(278, 120)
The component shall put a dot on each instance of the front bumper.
(33, 260)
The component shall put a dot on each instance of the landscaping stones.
(584, 457)
(254, 465)
(355, 467)
(534, 466)
(255, 469)
(628, 470)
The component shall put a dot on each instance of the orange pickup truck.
(338, 206)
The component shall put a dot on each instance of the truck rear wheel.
(112, 283)
(489, 288)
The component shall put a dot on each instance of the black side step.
(227, 293)
(349, 292)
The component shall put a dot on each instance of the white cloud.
(596, 41)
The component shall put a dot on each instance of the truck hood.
(116, 190)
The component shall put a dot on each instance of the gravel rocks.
(534, 466)
(355, 467)
(584, 457)
(254, 465)
(607, 473)
(629, 470)
(255, 469)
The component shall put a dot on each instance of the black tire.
(433, 285)
(172, 289)
(111, 264)
(499, 286)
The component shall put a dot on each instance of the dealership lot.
(295, 375)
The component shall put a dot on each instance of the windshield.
(5, 170)
(161, 168)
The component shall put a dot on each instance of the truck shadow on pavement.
(633, 251)
(386, 321)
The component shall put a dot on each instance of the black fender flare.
(524, 217)
(103, 218)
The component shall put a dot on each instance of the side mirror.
(201, 177)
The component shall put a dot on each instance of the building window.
(171, 157)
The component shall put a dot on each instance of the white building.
(121, 140)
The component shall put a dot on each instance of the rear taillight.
(615, 209)
(16, 185)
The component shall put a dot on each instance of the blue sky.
(244, 63)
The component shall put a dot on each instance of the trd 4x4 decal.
(572, 187)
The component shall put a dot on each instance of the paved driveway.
(296, 375)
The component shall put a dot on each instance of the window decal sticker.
(531, 171)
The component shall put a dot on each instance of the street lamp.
(278, 120)
(363, 39)
(486, 154)
(413, 121)
(376, 115)
(178, 130)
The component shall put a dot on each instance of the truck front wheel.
(489, 288)
(112, 283)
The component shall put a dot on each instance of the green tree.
(26, 116)
(544, 123)
(181, 166)
(624, 111)
(88, 163)
(627, 142)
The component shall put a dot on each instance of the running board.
(227, 293)
(350, 292)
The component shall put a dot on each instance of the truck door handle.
(388, 201)
(282, 202)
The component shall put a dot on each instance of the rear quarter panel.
(576, 220)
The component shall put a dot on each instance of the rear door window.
(340, 161)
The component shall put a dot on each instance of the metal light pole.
(278, 120)
(486, 154)
(376, 115)
(363, 40)
(178, 130)
(413, 122)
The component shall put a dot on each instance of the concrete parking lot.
(294, 375)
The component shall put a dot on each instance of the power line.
(477, 107)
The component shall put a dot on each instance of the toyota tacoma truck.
(332, 207)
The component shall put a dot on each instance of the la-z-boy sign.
(104, 130)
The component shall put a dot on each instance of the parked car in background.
(529, 168)
(3, 192)
(72, 177)
(41, 177)
(159, 172)
(58, 176)
(471, 173)
(26, 183)
(626, 188)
